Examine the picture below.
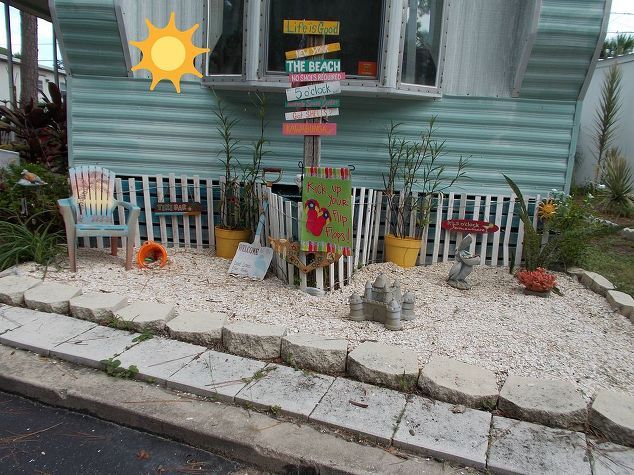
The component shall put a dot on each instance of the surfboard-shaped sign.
(316, 77)
(308, 128)
(311, 27)
(313, 66)
(313, 50)
(313, 90)
(469, 226)
(311, 114)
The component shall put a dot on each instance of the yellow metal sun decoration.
(168, 53)
(547, 209)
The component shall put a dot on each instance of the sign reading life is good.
(311, 27)
(313, 66)
(313, 90)
(311, 114)
(313, 50)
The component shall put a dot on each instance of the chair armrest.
(67, 209)
(128, 206)
(133, 215)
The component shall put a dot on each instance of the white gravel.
(575, 337)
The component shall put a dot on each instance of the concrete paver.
(51, 297)
(159, 358)
(97, 306)
(215, 374)
(362, 408)
(389, 365)
(146, 315)
(524, 447)
(95, 345)
(200, 328)
(44, 333)
(294, 392)
(612, 459)
(12, 288)
(445, 431)
(612, 415)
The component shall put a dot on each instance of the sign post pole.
(312, 143)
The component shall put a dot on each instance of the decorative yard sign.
(326, 224)
(311, 114)
(313, 50)
(311, 27)
(469, 226)
(317, 102)
(313, 90)
(314, 66)
(190, 208)
(310, 128)
(312, 77)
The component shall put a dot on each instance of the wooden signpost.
(313, 51)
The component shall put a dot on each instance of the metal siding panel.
(120, 124)
(566, 40)
(91, 38)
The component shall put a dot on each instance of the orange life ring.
(151, 251)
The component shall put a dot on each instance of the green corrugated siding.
(121, 125)
(567, 36)
(90, 37)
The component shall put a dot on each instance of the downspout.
(576, 126)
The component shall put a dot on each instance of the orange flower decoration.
(547, 209)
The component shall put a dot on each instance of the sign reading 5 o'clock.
(313, 90)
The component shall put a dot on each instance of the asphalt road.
(38, 439)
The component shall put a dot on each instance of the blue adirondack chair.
(89, 212)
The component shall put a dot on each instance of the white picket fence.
(369, 225)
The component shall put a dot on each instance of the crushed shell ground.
(576, 337)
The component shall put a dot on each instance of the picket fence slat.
(485, 236)
(184, 199)
(445, 252)
(499, 207)
(507, 231)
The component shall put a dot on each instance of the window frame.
(255, 74)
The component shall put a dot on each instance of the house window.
(360, 36)
(224, 35)
(421, 46)
(387, 46)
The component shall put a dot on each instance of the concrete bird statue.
(463, 266)
(30, 179)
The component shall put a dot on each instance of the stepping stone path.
(369, 410)
(522, 447)
(314, 352)
(254, 340)
(12, 289)
(451, 381)
(159, 358)
(612, 415)
(214, 374)
(146, 315)
(596, 282)
(284, 389)
(51, 297)
(95, 345)
(200, 328)
(445, 431)
(622, 303)
(97, 306)
(551, 403)
(14, 317)
(377, 363)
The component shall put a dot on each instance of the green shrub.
(617, 198)
(19, 243)
(41, 202)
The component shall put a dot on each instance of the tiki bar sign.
(469, 226)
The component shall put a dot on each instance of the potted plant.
(413, 166)
(239, 203)
(534, 277)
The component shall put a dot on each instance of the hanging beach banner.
(313, 50)
(311, 27)
(309, 128)
(326, 224)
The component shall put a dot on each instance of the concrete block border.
(267, 342)
(621, 302)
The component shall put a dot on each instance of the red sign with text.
(469, 226)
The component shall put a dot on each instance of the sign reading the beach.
(326, 224)
(469, 226)
(314, 66)
(316, 77)
(311, 114)
(313, 50)
(309, 128)
(318, 102)
(313, 90)
(311, 27)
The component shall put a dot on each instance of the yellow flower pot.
(402, 251)
(227, 241)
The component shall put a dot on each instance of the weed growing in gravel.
(276, 410)
(113, 368)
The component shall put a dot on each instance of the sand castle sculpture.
(383, 303)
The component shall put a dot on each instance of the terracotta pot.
(227, 241)
(152, 250)
(402, 251)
